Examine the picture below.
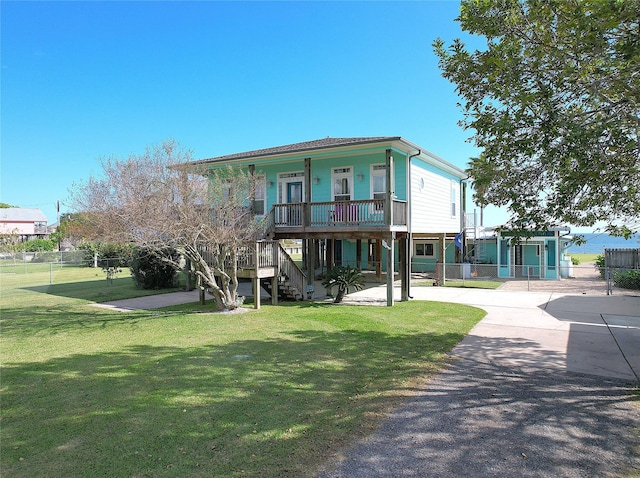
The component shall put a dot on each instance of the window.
(260, 196)
(379, 184)
(454, 198)
(424, 249)
(342, 180)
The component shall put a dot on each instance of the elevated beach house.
(25, 223)
(376, 203)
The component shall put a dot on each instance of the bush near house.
(149, 271)
(345, 278)
(627, 279)
(110, 254)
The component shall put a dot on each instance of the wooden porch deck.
(347, 218)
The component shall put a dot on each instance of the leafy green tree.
(553, 101)
(345, 278)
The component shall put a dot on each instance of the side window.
(454, 198)
(424, 249)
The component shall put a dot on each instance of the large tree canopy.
(156, 201)
(554, 103)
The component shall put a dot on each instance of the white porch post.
(390, 269)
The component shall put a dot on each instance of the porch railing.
(291, 270)
(366, 212)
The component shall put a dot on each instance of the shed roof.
(19, 214)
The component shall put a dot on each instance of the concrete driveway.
(596, 335)
(542, 386)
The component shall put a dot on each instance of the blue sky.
(86, 80)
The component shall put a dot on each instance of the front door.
(294, 198)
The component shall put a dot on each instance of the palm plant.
(345, 278)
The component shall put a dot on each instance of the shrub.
(627, 279)
(149, 271)
(110, 254)
(344, 278)
(599, 265)
(38, 245)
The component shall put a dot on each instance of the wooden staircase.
(291, 280)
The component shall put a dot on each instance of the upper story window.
(379, 183)
(454, 198)
(260, 195)
(342, 179)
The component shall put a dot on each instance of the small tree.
(345, 278)
(10, 243)
(162, 201)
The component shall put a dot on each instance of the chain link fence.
(41, 267)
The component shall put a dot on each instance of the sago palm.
(345, 278)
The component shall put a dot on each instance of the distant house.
(377, 203)
(26, 223)
(540, 255)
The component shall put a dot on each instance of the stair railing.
(294, 274)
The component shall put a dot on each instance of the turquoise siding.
(322, 169)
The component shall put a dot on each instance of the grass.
(585, 257)
(185, 392)
(471, 284)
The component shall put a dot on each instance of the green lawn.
(187, 392)
(471, 284)
(585, 257)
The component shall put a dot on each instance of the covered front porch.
(294, 220)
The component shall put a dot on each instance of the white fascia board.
(432, 158)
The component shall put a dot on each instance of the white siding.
(431, 202)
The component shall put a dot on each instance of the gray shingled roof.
(19, 214)
(300, 147)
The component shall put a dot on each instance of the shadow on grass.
(98, 290)
(247, 408)
(55, 319)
